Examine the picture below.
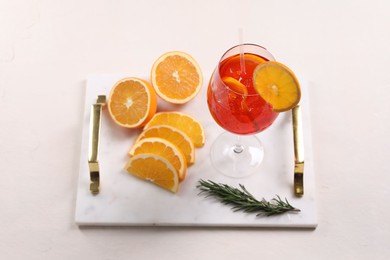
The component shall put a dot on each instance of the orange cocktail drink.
(233, 102)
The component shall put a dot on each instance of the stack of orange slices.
(166, 143)
(166, 146)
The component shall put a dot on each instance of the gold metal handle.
(94, 136)
(298, 151)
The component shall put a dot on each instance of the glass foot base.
(237, 156)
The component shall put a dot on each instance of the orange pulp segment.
(132, 102)
(163, 148)
(173, 135)
(184, 122)
(155, 169)
(176, 77)
(277, 85)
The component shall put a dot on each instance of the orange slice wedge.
(235, 85)
(255, 58)
(155, 169)
(277, 85)
(163, 148)
(176, 77)
(132, 102)
(173, 135)
(184, 122)
(248, 56)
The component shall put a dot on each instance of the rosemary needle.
(242, 200)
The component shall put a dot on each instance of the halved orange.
(163, 148)
(184, 122)
(277, 85)
(173, 135)
(176, 77)
(132, 102)
(155, 169)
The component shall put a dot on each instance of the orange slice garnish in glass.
(253, 57)
(277, 85)
(235, 85)
(249, 56)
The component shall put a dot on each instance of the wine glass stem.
(238, 147)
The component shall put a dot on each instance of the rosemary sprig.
(242, 200)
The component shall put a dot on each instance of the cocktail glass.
(240, 110)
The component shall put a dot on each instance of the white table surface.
(48, 48)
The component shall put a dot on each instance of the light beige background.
(47, 49)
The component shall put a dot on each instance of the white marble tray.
(126, 200)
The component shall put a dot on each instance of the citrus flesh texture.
(173, 135)
(184, 122)
(132, 102)
(277, 85)
(163, 148)
(155, 169)
(176, 77)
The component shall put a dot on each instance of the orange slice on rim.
(132, 102)
(277, 85)
(155, 169)
(176, 77)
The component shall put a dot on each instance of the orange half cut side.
(176, 77)
(132, 102)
